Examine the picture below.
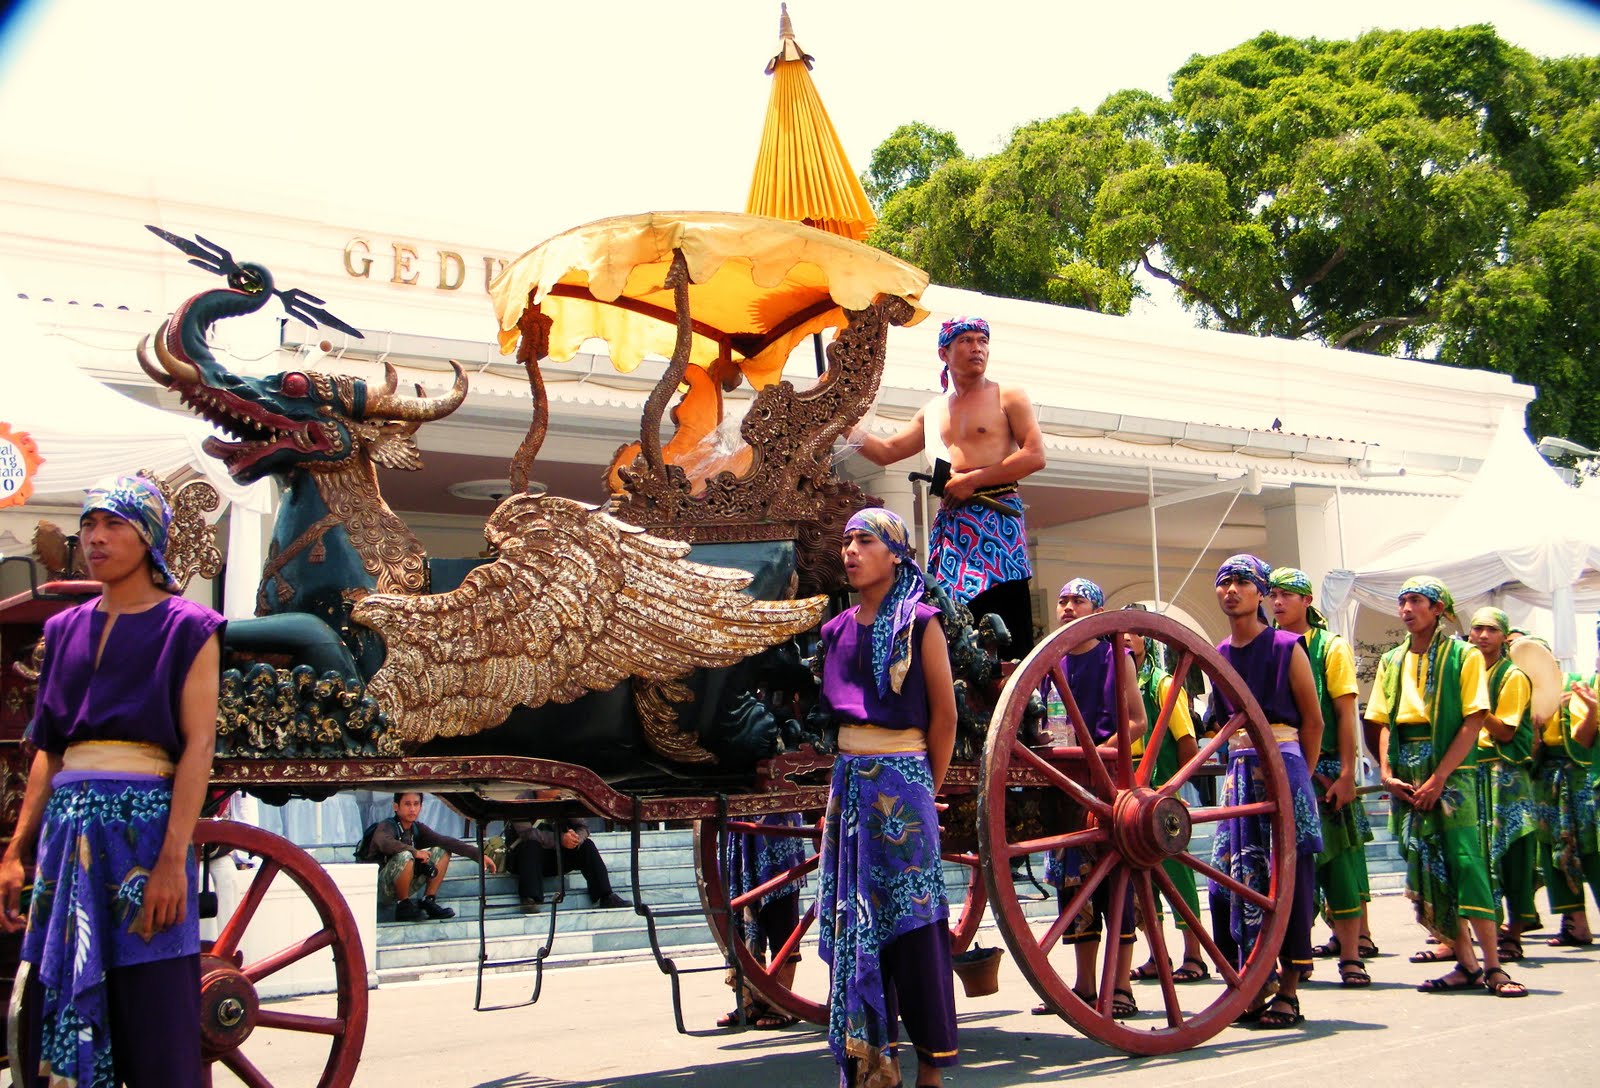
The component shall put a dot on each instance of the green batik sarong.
(1342, 864)
(1509, 809)
(1566, 817)
(1447, 876)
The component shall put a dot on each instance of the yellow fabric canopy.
(802, 173)
(758, 287)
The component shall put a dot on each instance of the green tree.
(907, 159)
(1425, 192)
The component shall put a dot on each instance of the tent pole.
(1338, 514)
(1155, 553)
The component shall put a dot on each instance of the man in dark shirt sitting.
(409, 848)
(530, 847)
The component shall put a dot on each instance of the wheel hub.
(1149, 828)
(228, 1006)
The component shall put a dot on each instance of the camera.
(423, 869)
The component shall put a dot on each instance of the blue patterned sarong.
(750, 860)
(881, 879)
(101, 837)
(1242, 847)
(972, 548)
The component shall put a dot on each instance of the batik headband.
(897, 613)
(140, 503)
(1255, 570)
(1295, 580)
(1489, 616)
(947, 336)
(1430, 587)
(958, 325)
(1082, 587)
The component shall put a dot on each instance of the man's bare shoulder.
(1010, 393)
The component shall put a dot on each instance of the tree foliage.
(1428, 192)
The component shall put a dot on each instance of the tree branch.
(1229, 322)
(1322, 273)
(1389, 325)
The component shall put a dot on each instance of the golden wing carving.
(575, 601)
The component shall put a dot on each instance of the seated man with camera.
(414, 854)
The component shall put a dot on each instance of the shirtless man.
(978, 546)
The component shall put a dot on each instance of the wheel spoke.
(293, 1021)
(1171, 787)
(1156, 932)
(1119, 703)
(745, 827)
(1087, 837)
(1229, 973)
(788, 876)
(1082, 734)
(1076, 904)
(797, 936)
(260, 969)
(1066, 785)
(1158, 732)
(245, 1070)
(227, 942)
(1244, 891)
(1111, 940)
(1228, 812)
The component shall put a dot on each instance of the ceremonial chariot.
(645, 661)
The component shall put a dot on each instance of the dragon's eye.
(295, 384)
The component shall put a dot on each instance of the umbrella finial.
(788, 48)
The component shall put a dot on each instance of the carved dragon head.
(297, 419)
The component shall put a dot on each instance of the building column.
(1303, 530)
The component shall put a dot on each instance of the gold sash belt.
(870, 740)
(123, 756)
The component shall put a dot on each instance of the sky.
(506, 121)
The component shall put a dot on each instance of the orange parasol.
(802, 174)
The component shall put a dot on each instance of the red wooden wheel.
(230, 1011)
(711, 846)
(1130, 829)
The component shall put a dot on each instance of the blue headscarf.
(948, 333)
(1258, 570)
(891, 628)
(1082, 587)
(138, 502)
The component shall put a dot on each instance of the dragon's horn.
(386, 404)
(174, 367)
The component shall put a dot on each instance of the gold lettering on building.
(350, 257)
(408, 264)
(452, 270)
(403, 256)
(492, 267)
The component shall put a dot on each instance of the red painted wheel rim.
(709, 837)
(229, 1011)
(1132, 829)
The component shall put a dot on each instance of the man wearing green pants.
(1342, 864)
(1506, 800)
(1178, 749)
(1569, 845)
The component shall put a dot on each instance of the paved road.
(597, 1027)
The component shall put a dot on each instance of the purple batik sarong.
(881, 879)
(972, 547)
(750, 860)
(1243, 845)
(101, 837)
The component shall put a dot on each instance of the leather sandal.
(1445, 984)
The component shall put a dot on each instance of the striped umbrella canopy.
(802, 174)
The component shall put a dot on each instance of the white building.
(1168, 449)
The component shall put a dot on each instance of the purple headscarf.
(891, 628)
(948, 333)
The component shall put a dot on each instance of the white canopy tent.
(1517, 532)
(85, 432)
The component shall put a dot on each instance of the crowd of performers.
(1485, 800)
